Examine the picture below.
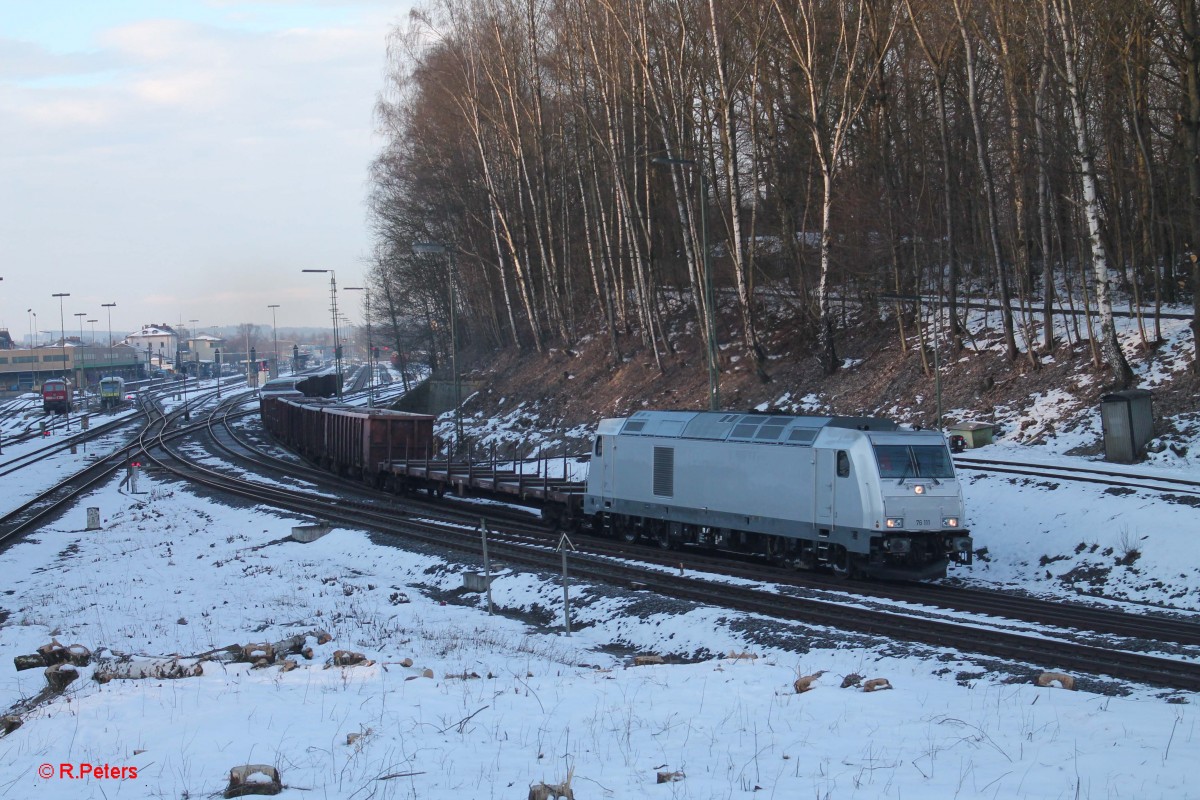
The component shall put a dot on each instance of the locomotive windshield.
(913, 461)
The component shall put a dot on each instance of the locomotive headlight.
(895, 522)
(949, 522)
(918, 489)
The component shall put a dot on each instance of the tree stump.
(59, 676)
(53, 653)
(78, 655)
(253, 779)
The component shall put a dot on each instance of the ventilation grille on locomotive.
(664, 471)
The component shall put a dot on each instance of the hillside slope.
(561, 393)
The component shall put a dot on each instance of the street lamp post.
(82, 362)
(108, 353)
(714, 395)
(32, 341)
(217, 360)
(92, 347)
(63, 341)
(275, 335)
(366, 290)
(434, 248)
(337, 345)
(180, 370)
(195, 348)
(249, 383)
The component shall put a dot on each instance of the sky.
(186, 159)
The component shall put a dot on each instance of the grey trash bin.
(1128, 421)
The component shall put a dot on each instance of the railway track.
(23, 460)
(50, 502)
(1072, 619)
(841, 605)
(1123, 479)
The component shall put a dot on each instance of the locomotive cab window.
(843, 464)
(913, 461)
(599, 449)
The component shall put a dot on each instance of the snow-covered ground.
(512, 700)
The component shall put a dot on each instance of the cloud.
(202, 154)
(23, 62)
(196, 90)
(66, 112)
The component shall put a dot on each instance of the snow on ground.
(512, 700)
(1055, 538)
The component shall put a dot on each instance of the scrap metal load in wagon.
(851, 495)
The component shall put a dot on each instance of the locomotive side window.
(843, 464)
(599, 450)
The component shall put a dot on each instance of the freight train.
(322, 385)
(850, 495)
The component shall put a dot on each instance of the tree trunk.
(1122, 374)
(825, 343)
(1189, 24)
(989, 183)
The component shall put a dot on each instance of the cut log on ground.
(133, 670)
(30, 661)
(1060, 678)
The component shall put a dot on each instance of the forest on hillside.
(556, 167)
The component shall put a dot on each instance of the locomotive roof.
(737, 426)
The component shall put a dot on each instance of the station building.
(158, 342)
(24, 369)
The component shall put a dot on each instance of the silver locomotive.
(856, 495)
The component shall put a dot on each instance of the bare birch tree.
(1068, 26)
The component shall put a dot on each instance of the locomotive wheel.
(842, 564)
